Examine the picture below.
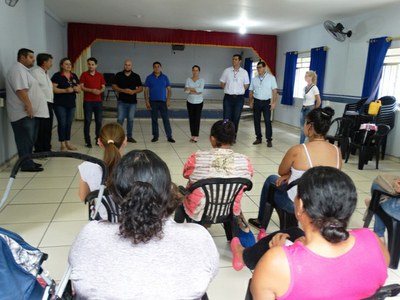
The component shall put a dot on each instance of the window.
(390, 82)
(303, 65)
(254, 69)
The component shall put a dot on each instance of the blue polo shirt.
(157, 87)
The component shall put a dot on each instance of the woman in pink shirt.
(329, 261)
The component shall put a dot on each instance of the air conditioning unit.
(178, 47)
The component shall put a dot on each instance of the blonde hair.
(313, 76)
(112, 136)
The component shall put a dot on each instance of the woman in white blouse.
(194, 88)
(311, 100)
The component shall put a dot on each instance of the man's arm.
(146, 97)
(273, 100)
(251, 99)
(169, 93)
(24, 97)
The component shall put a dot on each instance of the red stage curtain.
(81, 36)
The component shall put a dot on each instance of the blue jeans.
(65, 117)
(303, 113)
(90, 108)
(264, 107)
(391, 206)
(25, 134)
(232, 106)
(281, 199)
(126, 111)
(160, 106)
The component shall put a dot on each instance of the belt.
(308, 106)
(234, 96)
(262, 99)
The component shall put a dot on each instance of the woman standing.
(65, 87)
(194, 88)
(311, 100)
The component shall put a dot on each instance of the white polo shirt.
(44, 82)
(262, 86)
(19, 78)
(234, 81)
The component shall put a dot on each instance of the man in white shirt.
(44, 63)
(234, 80)
(262, 98)
(24, 103)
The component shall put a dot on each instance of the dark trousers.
(194, 111)
(25, 134)
(232, 106)
(90, 108)
(160, 106)
(65, 117)
(264, 107)
(253, 254)
(45, 128)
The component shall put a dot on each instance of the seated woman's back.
(107, 266)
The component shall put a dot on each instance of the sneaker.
(262, 234)
(32, 169)
(257, 142)
(255, 222)
(88, 145)
(154, 139)
(269, 144)
(131, 140)
(171, 140)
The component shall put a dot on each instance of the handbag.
(389, 183)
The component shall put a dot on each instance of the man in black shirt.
(127, 84)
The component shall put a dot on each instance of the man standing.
(25, 101)
(157, 95)
(92, 84)
(262, 98)
(44, 63)
(234, 81)
(127, 84)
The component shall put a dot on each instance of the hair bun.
(327, 111)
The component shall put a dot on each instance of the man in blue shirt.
(157, 95)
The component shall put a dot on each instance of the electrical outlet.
(1, 102)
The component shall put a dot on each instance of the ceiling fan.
(336, 30)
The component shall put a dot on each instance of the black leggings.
(253, 254)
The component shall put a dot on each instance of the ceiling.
(256, 16)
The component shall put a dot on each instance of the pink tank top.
(356, 274)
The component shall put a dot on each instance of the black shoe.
(154, 139)
(33, 169)
(131, 140)
(257, 142)
(269, 144)
(254, 222)
(88, 145)
(171, 140)
(37, 165)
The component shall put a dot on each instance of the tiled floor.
(45, 209)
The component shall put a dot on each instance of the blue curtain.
(373, 71)
(289, 77)
(317, 64)
(248, 66)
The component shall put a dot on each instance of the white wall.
(23, 26)
(346, 61)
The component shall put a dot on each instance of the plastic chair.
(109, 79)
(392, 225)
(369, 144)
(386, 116)
(354, 108)
(286, 219)
(341, 129)
(220, 195)
(390, 290)
(110, 208)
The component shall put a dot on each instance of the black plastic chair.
(109, 79)
(368, 143)
(390, 290)
(392, 225)
(341, 129)
(220, 195)
(354, 108)
(386, 116)
(286, 219)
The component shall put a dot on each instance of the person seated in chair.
(147, 255)
(327, 261)
(220, 161)
(298, 159)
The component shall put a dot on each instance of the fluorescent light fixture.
(242, 29)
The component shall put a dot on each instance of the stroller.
(21, 274)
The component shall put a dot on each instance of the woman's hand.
(282, 179)
(279, 239)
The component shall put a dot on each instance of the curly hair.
(142, 188)
(224, 132)
(329, 199)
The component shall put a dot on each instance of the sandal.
(237, 264)
(255, 222)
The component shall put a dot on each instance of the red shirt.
(92, 82)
